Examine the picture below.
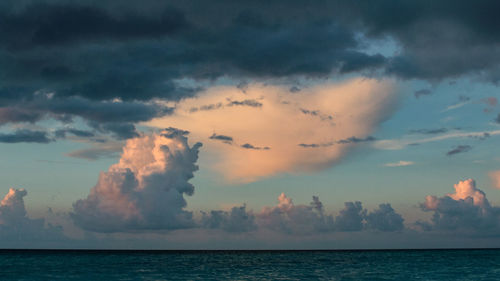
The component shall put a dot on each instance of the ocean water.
(251, 265)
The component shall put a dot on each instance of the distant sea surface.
(250, 265)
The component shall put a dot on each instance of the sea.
(471, 264)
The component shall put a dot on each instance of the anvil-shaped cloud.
(273, 130)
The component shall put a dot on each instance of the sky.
(249, 124)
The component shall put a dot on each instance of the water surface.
(250, 265)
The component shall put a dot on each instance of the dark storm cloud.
(15, 115)
(127, 45)
(105, 111)
(119, 130)
(102, 51)
(76, 132)
(459, 149)
(117, 117)
(58, 24)
(87, 53)
(24, 135)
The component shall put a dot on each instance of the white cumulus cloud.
(466, 210)
(145, 189)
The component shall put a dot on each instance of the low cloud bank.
(16, 227)
(289, 218)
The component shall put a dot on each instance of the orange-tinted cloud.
(273, 130)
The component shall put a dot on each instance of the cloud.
(138, 52)
(463, 100)
(422, 92)
(236, 220)
(145, 189)
(495, 178)
(251, 103)
(249, 146)
(351, 217)
(299, 219)
(61, 133)
(141, 53)
(120, 131)
(356, 140)
(25, 135)
(384, 219)
(115, 117)
(225, 139)
(401, 163)
(429, 131)
(466, 210)
(16, 115)
(16, 227)
(98, 150)
(402, 142)
(357, 107)
(295, 219)
(459, 149)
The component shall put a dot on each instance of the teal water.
(251, 265)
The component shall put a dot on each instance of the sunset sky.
(249, 124)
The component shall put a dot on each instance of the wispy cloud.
(396, 144)
(462, 102)
(98, 150)
(399, 164)
(459, 149)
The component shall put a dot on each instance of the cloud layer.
(291, 219)
(145, 192)
(257, 141)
